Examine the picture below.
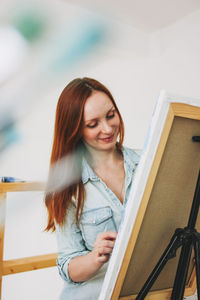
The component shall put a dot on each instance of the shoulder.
(131, 155)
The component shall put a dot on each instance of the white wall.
(134, 66)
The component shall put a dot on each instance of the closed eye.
(111, 115)
(93, 125)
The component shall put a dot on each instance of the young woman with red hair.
(87, 213)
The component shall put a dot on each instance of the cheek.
(89, 135)
(116, 124)
(116, 121)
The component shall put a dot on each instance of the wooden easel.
(8, 267)
(157, 216)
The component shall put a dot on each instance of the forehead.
(97, 105)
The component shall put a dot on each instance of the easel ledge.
(22, 186)
(166, 294)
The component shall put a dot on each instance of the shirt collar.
(131, 158)
(87, 172)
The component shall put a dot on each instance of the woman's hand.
(82, 268)
(103, 246)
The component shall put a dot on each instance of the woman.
(86, 215)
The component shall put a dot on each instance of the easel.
(187, 238)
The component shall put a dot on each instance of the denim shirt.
(102, 211)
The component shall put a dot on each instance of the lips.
(108, 139)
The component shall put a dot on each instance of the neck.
(99, 158)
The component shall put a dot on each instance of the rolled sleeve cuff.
(63, 267)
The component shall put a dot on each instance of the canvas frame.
(167, 108)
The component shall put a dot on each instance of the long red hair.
(67, 140)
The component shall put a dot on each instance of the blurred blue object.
(74, 43)
(8, 136)
(59, 52)
(10, 179)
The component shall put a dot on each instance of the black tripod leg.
(182, 270)
(197, 262)
(171, 248)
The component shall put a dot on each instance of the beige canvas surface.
(168, 208)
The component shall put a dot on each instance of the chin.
(108, 146)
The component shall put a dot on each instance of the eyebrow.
(94, 119)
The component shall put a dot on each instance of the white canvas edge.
(138, 186)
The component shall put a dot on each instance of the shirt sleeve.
(70, 244)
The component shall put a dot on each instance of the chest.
(114, 178)
(97, 196)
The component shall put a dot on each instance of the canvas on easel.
(160, 201)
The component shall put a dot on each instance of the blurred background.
(135, 47)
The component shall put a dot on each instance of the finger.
(108, 235)
(107, 243)
(104, 250)
(103, 258)
(104, 243)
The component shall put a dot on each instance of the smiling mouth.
(108, 139)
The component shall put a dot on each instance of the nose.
(105, 127)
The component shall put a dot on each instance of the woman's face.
(101, 122)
